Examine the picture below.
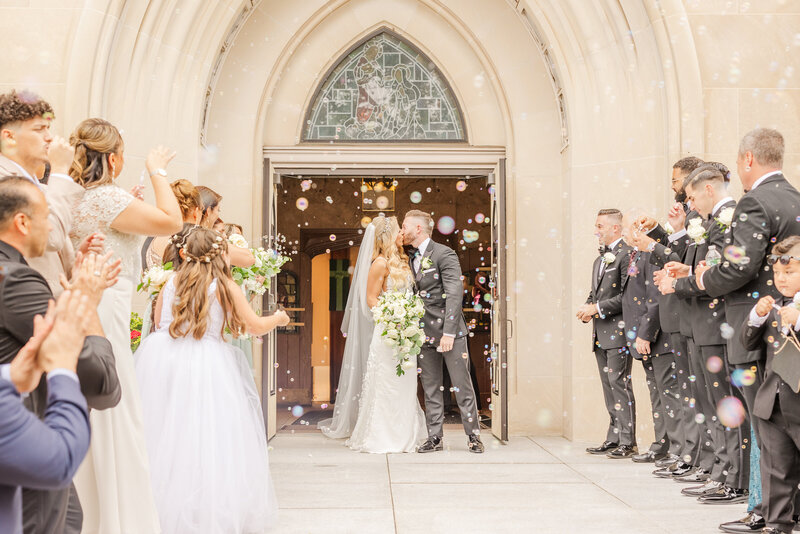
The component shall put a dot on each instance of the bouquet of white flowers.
(399, 315)
(154, 278)
(256, 278)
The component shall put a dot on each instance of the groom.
(438, 282)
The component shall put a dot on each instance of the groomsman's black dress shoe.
(749, 523)
(602, 449)
(475, 445)
(648, 457)
(697, 491)
(676, 469)
(694, 476)
(431, 445)
(622, 452)
(725, 495)
(668, 461)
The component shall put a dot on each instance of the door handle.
(510, 328)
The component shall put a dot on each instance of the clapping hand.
(62, 347)
(92, 243)
(92, 275)
(664, 282)
(764, 305)
(25, 368)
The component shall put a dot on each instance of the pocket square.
(429, 270)
(612, 269)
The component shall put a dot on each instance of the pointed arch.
(384, 89)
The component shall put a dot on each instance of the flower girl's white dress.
(389, 416)
(204, 430)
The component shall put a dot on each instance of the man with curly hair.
(26, 148)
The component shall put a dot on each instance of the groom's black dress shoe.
(431, 445)
(750, 523)
(475, 445)
(667, 461)
(648, 457)
(623, 451)
(602, 449)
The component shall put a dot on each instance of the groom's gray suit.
(439, 286)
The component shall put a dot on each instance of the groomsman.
(645, 339)
(604, 308)
(777, 403)
(707, 191)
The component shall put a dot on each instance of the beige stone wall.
(643, 83)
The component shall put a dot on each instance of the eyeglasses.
(772, 259)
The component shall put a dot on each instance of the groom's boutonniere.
(427, 263)
(724, 219)
(608, 258)
(696, 231)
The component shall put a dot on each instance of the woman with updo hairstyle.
(191, 206)
(240, 257)
(113, 482)
(203, 422)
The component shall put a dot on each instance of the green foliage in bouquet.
(399, 315)
(136, 331)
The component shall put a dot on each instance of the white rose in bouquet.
(696, 231)
(238, 240)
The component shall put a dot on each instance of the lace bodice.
(407, 286)
(215, 315)
(95, 212)
(152, 257)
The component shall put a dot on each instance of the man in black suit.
(24, 293)
(776, 406)
(604, 308)
(729, 478)
(647, 341)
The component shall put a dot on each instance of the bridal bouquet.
(154, 278)
(399, 314)
(257, 277)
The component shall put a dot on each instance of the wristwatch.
(674, 283)
(160, 172)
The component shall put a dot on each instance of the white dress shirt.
(760, 180)
(719, 205)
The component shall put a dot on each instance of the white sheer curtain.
(358, 326)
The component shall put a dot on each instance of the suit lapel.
(428, 253)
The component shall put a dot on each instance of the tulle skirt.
(205, 435)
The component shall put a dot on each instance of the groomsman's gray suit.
(608, 340)
(441, 289)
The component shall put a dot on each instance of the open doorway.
(322, 218)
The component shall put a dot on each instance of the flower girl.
(203, 422)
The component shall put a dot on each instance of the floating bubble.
(329, 200)
(382, 202)
(727, 331)
(699, 419)
(364, 189)
(714, 364)
(743, 217)
(461, 185)
(734, 254)
(428, 190)
(332, 237)
(487, 297)
(479, 218)
(477, 307)
(305, 185)
(297, 411)
(415, 197)
(406, 170)
(730, 412)
(446, 225)
(365, 221)
(302, 203)
(470, 236)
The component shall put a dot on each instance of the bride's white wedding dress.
(389, 416)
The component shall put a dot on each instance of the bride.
(387, 417)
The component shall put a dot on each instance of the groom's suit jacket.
(441, 290)
(25, 293)
(606, 293)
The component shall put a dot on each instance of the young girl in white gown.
(203, 422)
(389, 416)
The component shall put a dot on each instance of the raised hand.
(92, 275)
(60, 154)
(26, 370)
(764, 305)
(159, 158)
(62, 347)
(676, 217)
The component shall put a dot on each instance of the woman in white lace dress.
(389, 416)
(113, 482)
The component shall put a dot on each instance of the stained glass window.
(384, 90)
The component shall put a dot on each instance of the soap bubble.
(329, 199)
(699, 419)
(479, 218)
(297, 411)
(446, 225)
(302, 203)
(730, 412)
(461, 185)
(727, 331)
(470, 236)
(305, 185)
(743, 377)
(332, 237)
(365, 221)
(416, 197)
(734, 254)
(714, 364)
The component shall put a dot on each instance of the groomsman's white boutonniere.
(608, 258)
(427, 263)
(696, 231)
(668, 228)
(724, 219)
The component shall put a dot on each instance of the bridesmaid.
(239, 257)
(113, 482)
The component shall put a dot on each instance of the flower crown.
(180, 241)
